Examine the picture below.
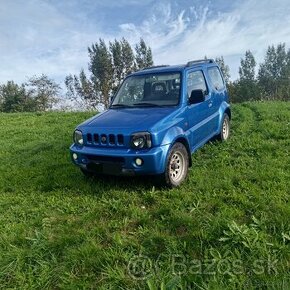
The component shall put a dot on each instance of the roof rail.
(193, 62)
(155, 66)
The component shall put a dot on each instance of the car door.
(199, 115)
(218, 91)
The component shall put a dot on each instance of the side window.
(195, 81)
(216, 78)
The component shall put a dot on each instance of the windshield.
(149, 90)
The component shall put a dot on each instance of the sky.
(51, 36)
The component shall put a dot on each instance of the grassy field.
(226, 227)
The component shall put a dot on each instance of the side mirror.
(196, 96)
(111, 99)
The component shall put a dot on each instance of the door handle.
(210, 104)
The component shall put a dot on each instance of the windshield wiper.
(120, 106)
(146, 104)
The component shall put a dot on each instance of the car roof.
(176, 68)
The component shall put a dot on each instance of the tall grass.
(226, 227)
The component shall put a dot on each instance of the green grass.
(226, 227)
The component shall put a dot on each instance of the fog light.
(139, 161)
(75, 156)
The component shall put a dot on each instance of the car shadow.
(131, 183)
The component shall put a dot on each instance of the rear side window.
(195, 81)
(216, 78)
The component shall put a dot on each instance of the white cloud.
(160, 30)
(179, 37)
(120, 3)
(39, 36)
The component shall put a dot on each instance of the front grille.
(120, 139)
(112, 139)
(96, 138)
(106, 159)
(105, 139)
(89, 138)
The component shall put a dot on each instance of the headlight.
(78, 138)
(141, 140)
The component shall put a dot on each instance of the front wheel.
(176, 165)
(225, 131)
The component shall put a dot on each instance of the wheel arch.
(184, 141)
(228, 112)
(224, 109)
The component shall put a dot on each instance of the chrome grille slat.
(96, 138)
(103, 140)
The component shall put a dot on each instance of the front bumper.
(120, 161)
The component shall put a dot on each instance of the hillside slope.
(226, 227)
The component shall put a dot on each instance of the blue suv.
(157, 119)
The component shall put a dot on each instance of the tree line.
(39, 93)
(268, 81)
(110, 63)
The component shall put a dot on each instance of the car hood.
(131, 118)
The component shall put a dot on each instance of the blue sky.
(51, 37)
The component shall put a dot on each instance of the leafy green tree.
(117, 57)
(246, 88)
(123, 61)
(43, 91)
(274, 73)
(224, 68)
(128, 58)
(101, 68)
(247, 68)
(81, 90)
(108, 66)
(144, 56)
(12, 97)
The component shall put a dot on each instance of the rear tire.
(225, 130)
(177, 164)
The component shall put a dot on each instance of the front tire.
(176, 165)
(225, 130)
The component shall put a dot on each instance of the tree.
(246, 87)
(144, 56)
(117, 55)
(12, 97)
(224, 68)
(128, 58)
(108, 66)
(101, 68)
(274, 73)
(43, 91)
(81, 90)
(123, 60)
(247, 68)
